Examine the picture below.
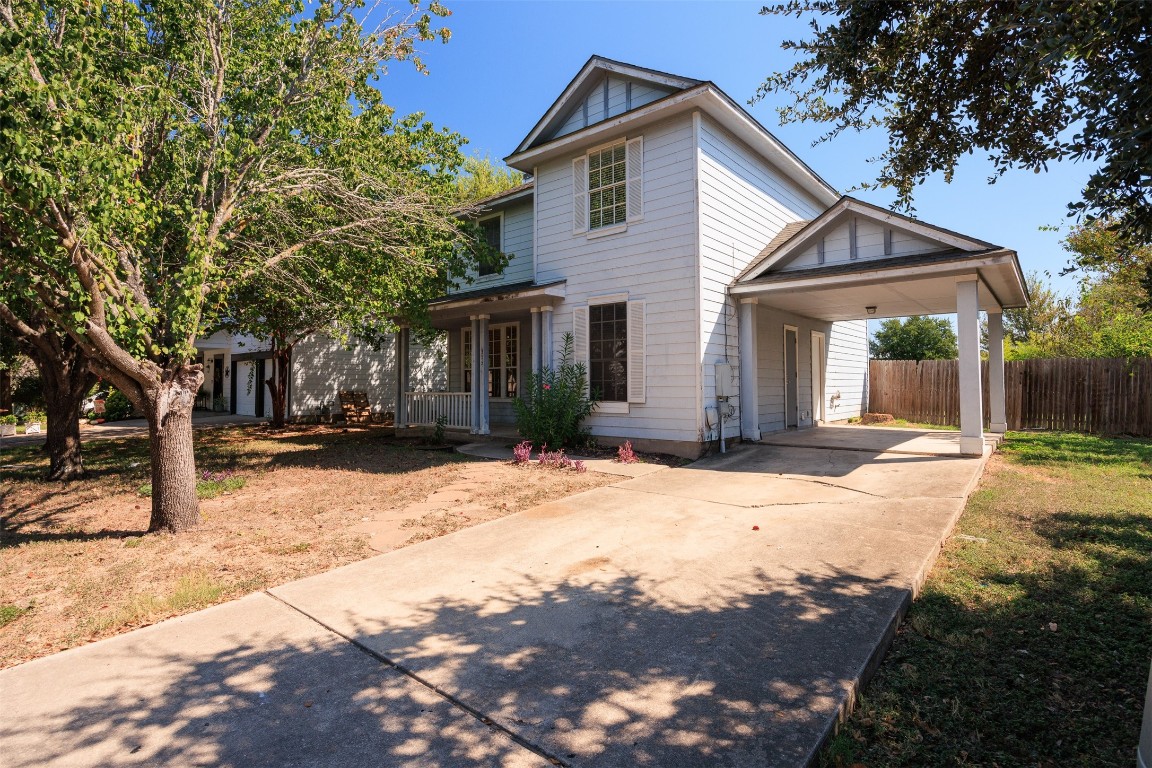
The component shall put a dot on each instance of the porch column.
(749, 381)
(403, 374)
(536, 357)
(996, 401)
(480, 373)
(546, 359)
(474, 388)
(968, 335)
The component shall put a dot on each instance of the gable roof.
(588, 78)
(691, 95)
(797, 236)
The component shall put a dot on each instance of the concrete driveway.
(644, 623)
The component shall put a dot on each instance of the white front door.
(246, 385)
(817, 377)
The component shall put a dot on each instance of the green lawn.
(1031, 641)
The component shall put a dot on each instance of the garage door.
(246, 384)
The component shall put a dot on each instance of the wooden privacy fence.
(1110, 396)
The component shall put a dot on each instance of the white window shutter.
(580, 341)
(635, 192)
(580, 195)
(636, 383)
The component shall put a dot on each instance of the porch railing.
(455, 407)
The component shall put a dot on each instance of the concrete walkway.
(719, 614)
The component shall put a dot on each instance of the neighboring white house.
(710, 279)
(236, 369)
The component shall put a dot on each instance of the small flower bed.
(522, 454)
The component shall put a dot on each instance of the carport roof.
(923, 284)
(864, 283)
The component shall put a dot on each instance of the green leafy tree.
(1027, 82)
(483, 177)
(913, 338)
(350, 287)
(65, 378)
(154, 155)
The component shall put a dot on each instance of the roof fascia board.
(962, 265)
(501, 202)
(555, 291)
(713, 101)
(581, 81)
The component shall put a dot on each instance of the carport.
(857, 261)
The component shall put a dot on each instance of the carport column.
(968, 333)
(996, 404)
(403, 374)
(480, 372)
(546, 338)
(535, 341)
(749, 389)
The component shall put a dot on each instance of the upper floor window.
(490, 229)
(607, 188)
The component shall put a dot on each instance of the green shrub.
(557, 403)
(117, 406)
(9, 419)
(34, 416)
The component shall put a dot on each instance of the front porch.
(496, 336)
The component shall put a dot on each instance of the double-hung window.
(608, 338)
(490, 230)
(607, 188)
(608, 351)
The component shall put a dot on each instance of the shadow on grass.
(1043, 665)
(605, 670)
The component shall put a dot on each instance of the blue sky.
(508, 60)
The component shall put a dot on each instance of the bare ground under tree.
(77, 565)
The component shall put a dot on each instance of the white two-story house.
(713, 283)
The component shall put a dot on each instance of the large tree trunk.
(168, 408)
(63, 408)
(66, 376)
(281, 357)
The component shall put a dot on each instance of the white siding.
(770, 359)
(653, 261)
(869, 245)
(744, 203)
(322, 368)
(622, 95)
(847, 370)
(516, 241)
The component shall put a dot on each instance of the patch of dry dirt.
(76, 565)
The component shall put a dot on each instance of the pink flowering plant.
(556, 403)
(625, 454)
(522, 452)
